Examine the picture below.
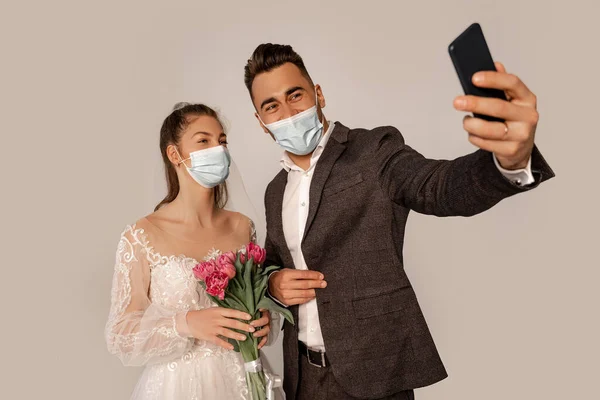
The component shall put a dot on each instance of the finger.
(228, 333)
(223, 343)
(293, 274)
(292, 294)
(264, 320)
(260, 322)
(500, 66)
(303, 284)
(486, 129)
(240, 326)
(511, 84)
(263, 332)
(262, 343)
(229, 313)
(500, 148)
(493, 107)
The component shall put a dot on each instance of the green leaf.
(270, 269)
(249, 349)
(270, 305)
(256, 276)
(231, 301)
(234, 285)
(236, 346)
(239, 268)
(237, 303)
(249, 292)
(260, 288)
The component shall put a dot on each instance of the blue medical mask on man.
(299, 134)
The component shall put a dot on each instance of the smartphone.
(470, 54)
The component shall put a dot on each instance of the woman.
(160, 316)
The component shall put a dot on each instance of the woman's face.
(201, 133)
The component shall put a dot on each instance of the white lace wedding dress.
(151, 294)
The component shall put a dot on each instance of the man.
(336, 215)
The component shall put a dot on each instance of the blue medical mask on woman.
(210, 167)
(299, 134)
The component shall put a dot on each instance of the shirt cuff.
(520, 177)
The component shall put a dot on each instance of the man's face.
(284, 92)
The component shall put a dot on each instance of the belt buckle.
(315, 364)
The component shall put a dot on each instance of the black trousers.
(320, 384)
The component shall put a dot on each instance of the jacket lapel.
(333, 150)
(275, 221)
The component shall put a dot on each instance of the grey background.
(510, 296)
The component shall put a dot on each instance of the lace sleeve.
(275, 328)
(138, 331)
(252, 232)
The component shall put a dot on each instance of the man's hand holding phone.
(504, 110)
(510, 141)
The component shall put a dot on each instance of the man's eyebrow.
(287, 93)
(267, 101)
(292, 90)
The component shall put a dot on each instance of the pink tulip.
(216, 284)
(226, 264)
(256, 252)
(205, 269)
(231, 256)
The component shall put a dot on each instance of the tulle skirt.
(200, 374)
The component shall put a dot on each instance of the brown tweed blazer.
(363, 188)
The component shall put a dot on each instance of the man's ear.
(261, 124)
(320, 97)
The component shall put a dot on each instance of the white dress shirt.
(295, 213)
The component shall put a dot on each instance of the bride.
(160, 316)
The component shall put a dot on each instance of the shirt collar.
(288, 164)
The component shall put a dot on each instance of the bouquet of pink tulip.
(238, 281)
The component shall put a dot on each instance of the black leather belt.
(316, 358)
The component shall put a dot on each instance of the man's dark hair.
(269, 56)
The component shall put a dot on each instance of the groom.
(336, 215)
